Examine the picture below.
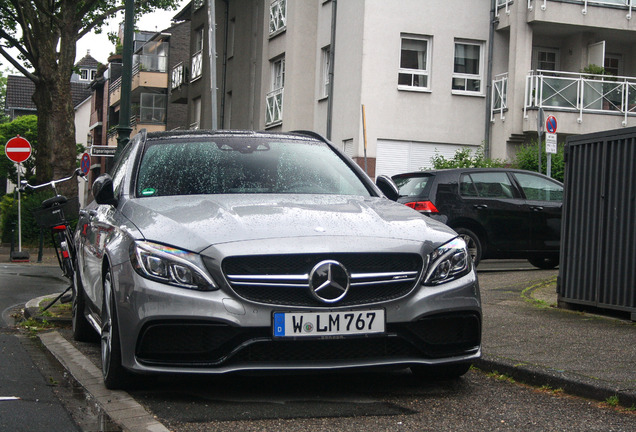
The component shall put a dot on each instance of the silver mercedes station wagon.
(227, 251)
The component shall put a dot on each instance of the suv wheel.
(473, 243)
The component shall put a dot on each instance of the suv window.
(485, 185)
(538, 188)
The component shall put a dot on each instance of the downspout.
(491, 43)
(332, 56)
(224, 77)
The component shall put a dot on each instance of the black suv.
(501, 213)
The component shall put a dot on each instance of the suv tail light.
(422, 206)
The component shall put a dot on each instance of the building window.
(414, 63)
(468, 68)
(198, 39)
(274, 115)
(325, 64)
(84, 74)
(152, 108)
(196, 113)
(277, 17)
(546, 59)
(230, 38)
(612, 64)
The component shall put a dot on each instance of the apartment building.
(574, 60)
(395, 82)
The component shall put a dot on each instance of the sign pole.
(19, 212)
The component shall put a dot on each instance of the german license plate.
(306, 324)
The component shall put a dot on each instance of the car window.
(239, 165)
(119, 169)
(539, 188)
(485, 185)
(413, 186)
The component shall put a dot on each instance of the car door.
(493, 201)
(544, 202)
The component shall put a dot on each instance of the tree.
(45, 34)
(3, 95)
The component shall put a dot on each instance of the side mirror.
(388, 187)
(103, 190)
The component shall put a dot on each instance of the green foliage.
(30, 228)
(3, 95)
(27, 128)
(528, 159)
(464, 159)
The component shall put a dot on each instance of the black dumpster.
(598, 243)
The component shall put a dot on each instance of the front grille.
(204, 344)
(284, 279)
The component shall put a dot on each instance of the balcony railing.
(628, 4)
(274, 108)
(150, 63)
(499, 96)
(277, 17)
(581, 92)
(196, 66)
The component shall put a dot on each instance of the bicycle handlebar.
(77, 173)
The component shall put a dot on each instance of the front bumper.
(169, 329)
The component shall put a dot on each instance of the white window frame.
(84, 74)
(324, 66)
(538, 50)
(277, 17)
(416, 72)
(274, 99)
(467, 76)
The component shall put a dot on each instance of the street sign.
(106, 151)
(18, 149)
(85, 163)
(551, 124)
(551, 143)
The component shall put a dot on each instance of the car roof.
(294, 135)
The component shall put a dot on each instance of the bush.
(463, 159)
(528, 159)
(30, 228)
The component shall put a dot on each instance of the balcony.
(582, 93)
(602, 14)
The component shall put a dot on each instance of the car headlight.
(170, 266)
(448, 262)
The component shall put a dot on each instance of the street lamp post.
(124, 129)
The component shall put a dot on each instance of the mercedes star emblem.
(329, 281)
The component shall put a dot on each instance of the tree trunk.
(56, 132)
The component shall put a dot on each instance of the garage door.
(395, 157)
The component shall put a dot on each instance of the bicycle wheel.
(63, 248)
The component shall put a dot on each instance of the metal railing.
(274, 107)
(196, 67)
(629, 4)
(499, 96)
(582, 92)
(277, 16)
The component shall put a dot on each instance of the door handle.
(537, 208)
(92, 213)
(480, 206)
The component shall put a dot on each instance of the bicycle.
(53, 215)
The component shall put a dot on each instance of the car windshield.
(240, 165)
(412, 186)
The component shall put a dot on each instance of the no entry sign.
(18, 149)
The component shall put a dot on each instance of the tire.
(115, 376)
(441, 372)
(545, 262)
(472, 241)
(82, 330)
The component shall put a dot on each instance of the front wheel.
(472, 241)
(115, 376)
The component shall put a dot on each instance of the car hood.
(196, 222)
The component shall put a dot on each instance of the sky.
(99, 45)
